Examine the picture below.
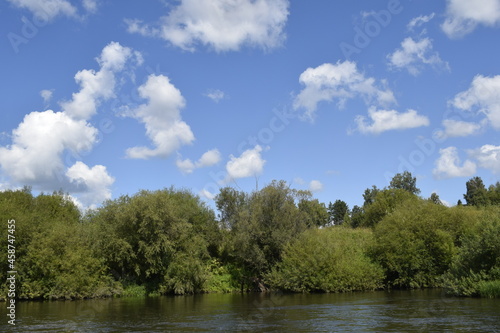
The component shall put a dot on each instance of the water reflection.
(397, 311)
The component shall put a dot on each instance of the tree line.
(277, 238)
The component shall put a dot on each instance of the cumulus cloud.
(458, 128)
(98, 86)
(488, 157)
(44, 141)
(448, 165)
(93, 183)
(215, 95)
(463, 16)
(315, 186)
(224, 25)
(208, 159)
(250, 163)
(413, 55)
(38, 143)
(340, 81)
(387, 120)
(50, 9)
(419, 21)
(483, 96)
(161, 116)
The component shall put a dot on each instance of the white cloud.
(90, 5)
(299, 181)
(46, 95)
(45, 142)
(462, 16)
(488, 157)
(448, 165)
(386, 120)
(224, 25)
(35, 155)
(315, 186)
(215, 95)
(161, 116)
(458, 128)
(47, 9)
(419, 21)
(186, 166)
(208, 159)
(207, 194)
(341, 81)
(93, 183)
(98, 86)
(250, 163)
(50, 9)
(483, 95)
(414, 54)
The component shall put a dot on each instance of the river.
(396, 311)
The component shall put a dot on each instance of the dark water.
(416, 311)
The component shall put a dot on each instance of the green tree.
(261, 227)
(338, 211)
(405, 181)
(163, 240)
(315, 213)
(434, 198)
(476, 195)
(494, 194)
(385, 202)
(369, 195)
(357, 216)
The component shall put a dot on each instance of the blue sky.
(102, 98)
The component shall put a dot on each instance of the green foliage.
(405, 181)
(494, 193)
(385, 202)
(261, 226)
(478, 259)
(369, 195)
(327, 260)
(476, 195)
(315, 213)
(489, 289)
(434, 198)
(357, 217)
(169, 242)
(338, 211)
(134, 290)
(416, 242)
(53, 259)
(221, 278)
(161, 239)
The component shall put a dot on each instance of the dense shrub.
(415, 244)
(53, 259)
(475, 270)
(328, 260)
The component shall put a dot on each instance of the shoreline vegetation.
(169, 242)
